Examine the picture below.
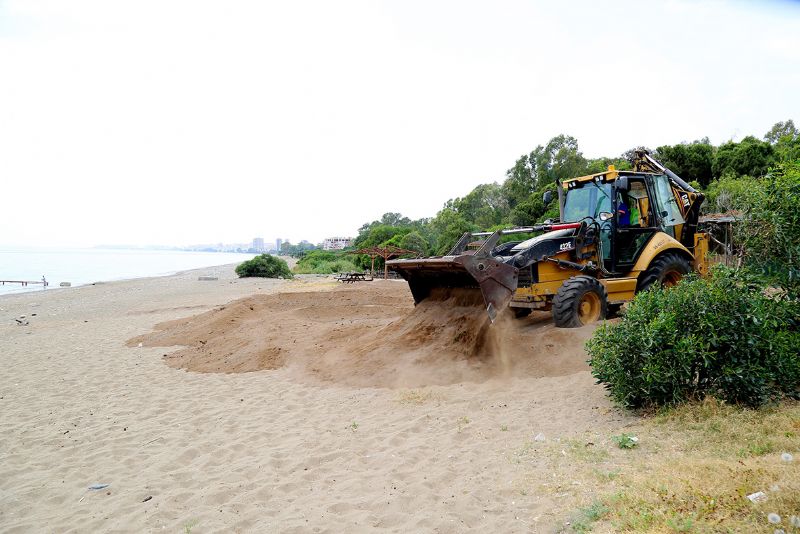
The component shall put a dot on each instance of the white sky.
(156, 122)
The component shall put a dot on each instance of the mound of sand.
(371, 335)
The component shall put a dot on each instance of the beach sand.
(308, 407)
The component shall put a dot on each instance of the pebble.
(774, 518)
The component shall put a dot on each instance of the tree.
(557, 160)
(485, 206)
(781, 130)
(519, 182)
(448, 226)
(693, 161)
(785, 138)
(750, 157)
(414, 241)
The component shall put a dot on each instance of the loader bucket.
(496, 281)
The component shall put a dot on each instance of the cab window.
(590, 200)
(666, 203)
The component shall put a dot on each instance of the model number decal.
(565, 246)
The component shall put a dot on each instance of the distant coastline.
(79, 267)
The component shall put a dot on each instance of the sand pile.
(370, 335)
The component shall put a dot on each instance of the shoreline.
(18, 290)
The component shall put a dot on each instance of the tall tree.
(693, 161)
(750, 157)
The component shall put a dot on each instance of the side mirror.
(622, 184)
(547, 198)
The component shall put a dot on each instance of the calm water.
(85, 266)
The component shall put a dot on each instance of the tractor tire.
(667, 270)
(581, 300)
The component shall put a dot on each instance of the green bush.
(324, 262)
(769, 233)
(723, 336)
(265, 266)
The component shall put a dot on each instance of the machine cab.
(628, 208)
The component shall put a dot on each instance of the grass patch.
(711, 456)
(723, 430)
(586, 517)
(416, 396)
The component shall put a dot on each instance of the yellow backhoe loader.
(619, 233)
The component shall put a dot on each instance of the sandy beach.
(300, 419)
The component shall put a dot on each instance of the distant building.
(336, 243)
(258, 244)
(278, 243)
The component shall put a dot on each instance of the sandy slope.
(283, 450)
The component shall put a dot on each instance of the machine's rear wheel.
(667, 269)
(581, 300)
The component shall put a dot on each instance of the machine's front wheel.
(581, 300)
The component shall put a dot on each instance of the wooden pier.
(43, 281)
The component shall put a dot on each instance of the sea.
(86, 266)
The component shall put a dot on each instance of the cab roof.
(606, 176)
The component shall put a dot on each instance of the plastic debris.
(778, 531)
(758, 496)
(141, 345)
(98, 486)
(539, 437)
(794, 521)
(774, 518)
(787, 457)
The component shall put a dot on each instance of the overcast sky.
(160, 122)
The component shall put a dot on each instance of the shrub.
(724, 336)
(324, 262)
(769, 234)
(265, 266)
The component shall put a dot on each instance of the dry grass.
(417, 396)
(695, 468)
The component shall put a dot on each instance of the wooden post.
(372, 267)
(385, 267)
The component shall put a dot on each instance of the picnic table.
(350, 278)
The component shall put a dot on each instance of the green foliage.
(785, 137)
(485, 205)
(722, 336)
(770, 231)
(625, 441)
(264, 266)
(689, 161)
(583, 520)
(750, 157)
(414, 241)
(324, 262)
(287, 249)
(730, 194)
(448, 226)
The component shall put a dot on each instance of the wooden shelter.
(386, 252)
